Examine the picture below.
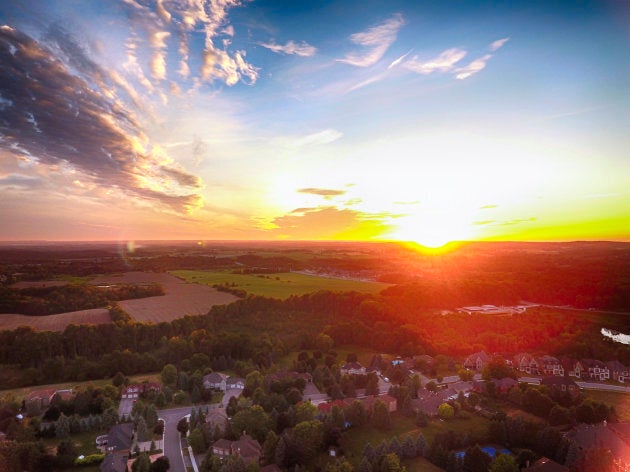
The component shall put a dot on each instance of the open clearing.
(180, 298)
(281, 285)
(55, 322)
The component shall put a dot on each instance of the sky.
(359, 120)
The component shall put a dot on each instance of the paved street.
(172, 440)
(602, 386)
(235, 392)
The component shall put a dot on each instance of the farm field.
(55, 322)
(180, 298)
(281, 285)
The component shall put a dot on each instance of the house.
(549, 365)
(560, 385)
(596, 370)
(245, 447)
(235, 383)
(38, 400)
(573, 368)
(352, 368)
(618, 371)
(217, 418)
(117, 447)
(501, 386)
(526, 363)
(215, 381)
(390, 402)
(131, 392)
(477, 361)
(599, 436)
(546, 465)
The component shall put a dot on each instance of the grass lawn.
(355, 439)
(363, 355)
(85, 442)
(281, 285)
(621, 401)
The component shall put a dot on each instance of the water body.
(617, 337)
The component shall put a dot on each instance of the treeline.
(256, 329)
(39, 301)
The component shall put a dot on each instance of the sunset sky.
(410, 120)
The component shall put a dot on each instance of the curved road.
(172, 438)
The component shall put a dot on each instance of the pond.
(490, 450)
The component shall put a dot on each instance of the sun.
(433, 229)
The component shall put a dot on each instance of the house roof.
(222, 444)
(64, 395)
(40, 394)
(547, 465)
(120, 437)
(477, 355)
(215, 377)
(114, 463)
(616, 366)
(235, 380)
(600, 435)
(590, 363)
(352, 365)
(547, 359)
(247, 447)
(622, 430)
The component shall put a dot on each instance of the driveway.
(234, 392)
(125, 407)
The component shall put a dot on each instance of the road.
(172, 438)
(603, 386)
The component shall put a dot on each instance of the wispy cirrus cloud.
(323, 192)
(498, 44)
(63, 113)
(375, 42)
(473, 67)
(444, 62)
(302, 49)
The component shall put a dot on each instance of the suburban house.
(527, 363)
(352, 368)
(595, 369)
(245, 447)
(215, 381)
(117, 448)
(573, 368)
(603, 435)
(545, 464)
(501, 386)
(235, 383)
(549, 365)
(561, 385)
(38, 400)
(428, 402)
(477, 361)
(618, 371)
(217, 418)
(136, 391)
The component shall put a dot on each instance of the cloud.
(20, 181)
(325, 136)
(291, 47)
(472, 68)
(329, 223)
(186, 19)
(445, 62)
(498, 44)
(375, 41)
(488, 207)
(66, 113)
(324, 192)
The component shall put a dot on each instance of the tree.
(269, 446)
(421, 445)
(142, 430)
(465, 375)
(365, 465)
(142, 463)
(254, 420)
(62, 426)
(475, 460)
(408, 448)
(161, 464)
(431, 386)
(356, 414)
(66, 453)
(381, 417)
(182, 426)
(390, 463)
(169, 375)
(504, 463)
(307, 439)
(395, 447)
(197, 441)
(446, 411)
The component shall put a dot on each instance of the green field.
(281, 285)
